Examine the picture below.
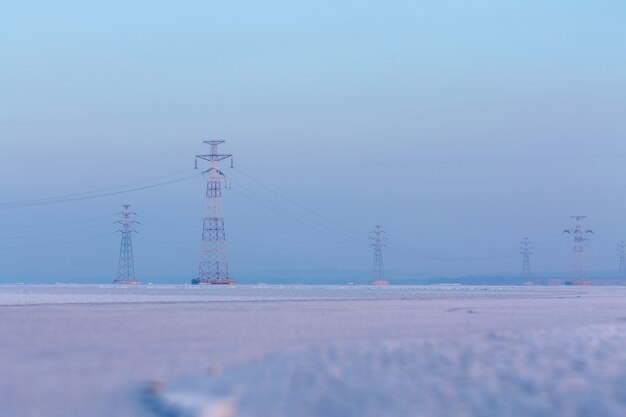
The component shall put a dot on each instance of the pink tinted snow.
(325, 351)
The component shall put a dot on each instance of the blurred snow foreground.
(312, 351)
(538, 373)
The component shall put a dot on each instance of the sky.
(460, 127)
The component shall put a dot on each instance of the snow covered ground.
(336, 351)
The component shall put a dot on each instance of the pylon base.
(213, 281)
(126, 281)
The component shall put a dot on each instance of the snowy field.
(290, 351)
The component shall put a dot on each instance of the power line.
(88, 195)
(435, 257)
(44, 225)
(315, 213)
(324, 228)
(98, 190)
(34, 236)
(48, 244)
(286, 211)
(298, 219)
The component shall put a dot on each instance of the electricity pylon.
(126, 264)
(526, 249)
(213, 268)
(621, 251)
(378, 271)
(580, 236)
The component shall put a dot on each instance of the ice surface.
(76, 350)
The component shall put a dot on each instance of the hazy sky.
(459, 126)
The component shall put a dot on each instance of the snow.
(537, 373)
(243, 351)
(102, 294)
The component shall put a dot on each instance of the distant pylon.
(126, 264)
(213, 267)
(580, 236)
(378, 271)
(526, 250)
(621, 251)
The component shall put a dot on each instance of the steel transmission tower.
(580, 236)
(378, 271)
(621, 251)
(213, 267)
(526, 250)
(126, 264)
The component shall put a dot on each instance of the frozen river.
(332, 351)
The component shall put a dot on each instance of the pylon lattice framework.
(526, 249)
(126, 263)
(621, 251)
(578, 251)
(378, 239)
(213, 267)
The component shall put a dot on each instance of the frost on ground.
(579, 372)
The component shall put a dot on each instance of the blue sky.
(459, 126)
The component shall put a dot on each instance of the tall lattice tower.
(378, 239)
(213, 267)
(580, 237)
(126, 264)
(526, 249)
(621, 252)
